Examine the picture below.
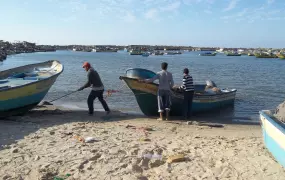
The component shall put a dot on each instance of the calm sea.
(259, 82)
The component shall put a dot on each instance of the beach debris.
(176, 158)
(61, 177)
(14, 150)
(45, 103)
(37, 158)
(152, 156)
(144, 139)
(79, 138)
(90, 139)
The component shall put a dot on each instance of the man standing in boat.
(164, 89)
(188, 87)
(94, 81)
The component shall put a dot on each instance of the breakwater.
(9, 48)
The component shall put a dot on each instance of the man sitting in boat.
(164, 89)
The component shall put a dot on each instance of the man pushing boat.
(94, 81)
(164, 89)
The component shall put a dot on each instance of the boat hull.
(273, 136)
(26, 96)
(146, 96)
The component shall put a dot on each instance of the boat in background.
(134, 52)
(146, 54)
(22, 88)
(281, 56)
(273, 135)
(250, 54)
(208, 54)
(232, 54)
(146, 95)
(265, 55)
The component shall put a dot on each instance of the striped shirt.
(187, 83)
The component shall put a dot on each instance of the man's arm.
(151, 79)
(87, 84)
(171, 81)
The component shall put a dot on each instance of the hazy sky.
(224, 23)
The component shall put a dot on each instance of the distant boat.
(208, 54)
(273, 132)
(220, 50)
(281, 56)
(265, 55)
(22, 88)
(134, 52)
(145, 54)
(232, 54)
(105, 50)
(250, 54)
(157, 53)
(172, 53)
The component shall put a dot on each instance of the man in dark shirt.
(188, 88)
(94, 81)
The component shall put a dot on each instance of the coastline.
(46, 148)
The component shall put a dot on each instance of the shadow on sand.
(17, 127)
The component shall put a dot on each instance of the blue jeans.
(187, 104)
(164, 100)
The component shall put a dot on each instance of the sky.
(210, 23)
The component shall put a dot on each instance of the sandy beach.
(49, 142)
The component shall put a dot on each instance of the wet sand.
(50, 143)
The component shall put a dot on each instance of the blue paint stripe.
(277, 151)
(22, 101)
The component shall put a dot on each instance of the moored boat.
(265, 55)
(145, 54)
(146, 93)
(134, 52)
(273, 135)
(22, 88)
(232, 54)
(250, 54)
(208, 54)
(281, 56)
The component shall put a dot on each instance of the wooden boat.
(22, 88)
(265, 55)
(134, 52)
(273, 135)
(208, 54)
(232, 54)
(281, 56)
(146, 95)
(145, 54)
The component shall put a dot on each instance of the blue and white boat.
(273, 135)
(145, 54)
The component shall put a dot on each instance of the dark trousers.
(187, 104)
(92, 96)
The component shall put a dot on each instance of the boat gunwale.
(276, 123)
(35, 82)
(200, 95)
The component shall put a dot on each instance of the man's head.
(164, 66)
(86, 66)
(186, 71)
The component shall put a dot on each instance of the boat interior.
(23, 78)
